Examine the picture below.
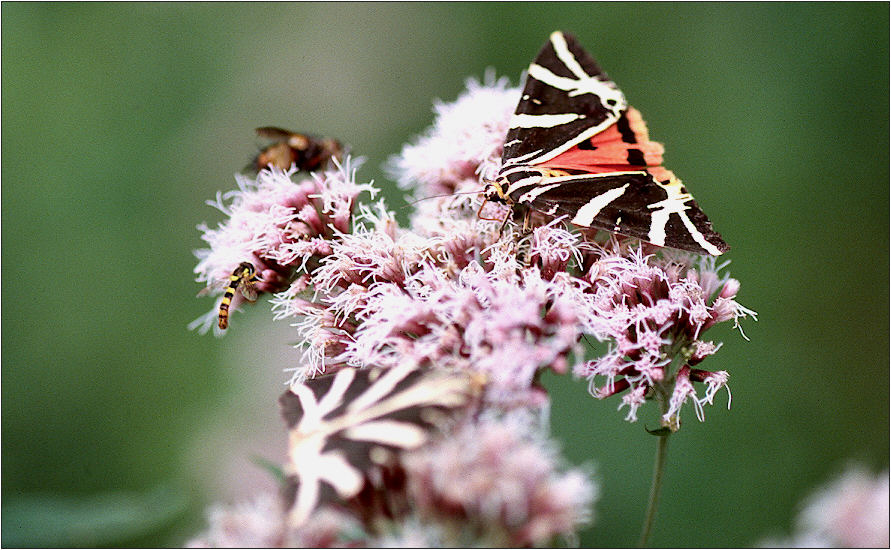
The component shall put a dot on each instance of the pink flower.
(654, 311)
(851, 511)
(258, 523)
(498, 477)
(465, 135)
(278, 225)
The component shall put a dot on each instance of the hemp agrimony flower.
(654, 312)
(471, 298)
(851, 511)
(277, 224)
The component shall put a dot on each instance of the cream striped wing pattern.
(341, 425)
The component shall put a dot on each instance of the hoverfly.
(244, 277)
(308, 153)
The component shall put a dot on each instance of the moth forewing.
(343, 425)
(630, 203)
(576, 149)
(567, 99)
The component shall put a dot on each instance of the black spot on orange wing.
(636, 157)
(625, 129)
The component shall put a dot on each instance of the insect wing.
(634, 204)
(572, 117)
(567, 99)
(272, 132)
(340, 424)
(248, 289)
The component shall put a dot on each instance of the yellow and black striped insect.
(244, 277)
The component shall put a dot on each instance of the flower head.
(654, 311)
(258, 523)
(278, 225)
(466, 134)
(851, 511)
(500, 477)
(462, 147)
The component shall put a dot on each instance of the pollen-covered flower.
(654, 312)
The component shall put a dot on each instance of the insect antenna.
(416, 201)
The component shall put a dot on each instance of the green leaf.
(57, 520)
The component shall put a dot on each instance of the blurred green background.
(119, 120)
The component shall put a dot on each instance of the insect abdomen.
(243, 274)
(227, 299)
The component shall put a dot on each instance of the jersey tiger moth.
(344, 424)
(576, 149)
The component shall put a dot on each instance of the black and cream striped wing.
(341, 425)
(634, 204)
(566, 100)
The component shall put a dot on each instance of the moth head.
(494, 190)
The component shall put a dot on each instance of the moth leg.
(527, 221)
(479, 215)
(504, 224)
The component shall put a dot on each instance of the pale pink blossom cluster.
(278, 223)
(654, 311)
(256, 523)
(497, 478)
(497, 482)
(462, 147)
(466, 137)
(851, 511)
(381, 301)
(260, 523)
(455, 291)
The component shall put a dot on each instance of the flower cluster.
(494, 483)
(379, 301)
(496, 478)
(253, 524)
(654, 311)
(277, 224)
(462, 147)
(260, 523)
(456, 291)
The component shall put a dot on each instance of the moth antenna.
(416, 201)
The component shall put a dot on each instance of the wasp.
(244, 277)
(308, 153)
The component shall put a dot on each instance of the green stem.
(655, 488)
